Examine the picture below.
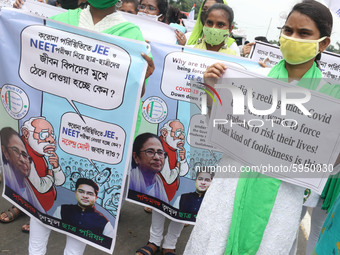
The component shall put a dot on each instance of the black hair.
(205, 169)
(83, 5)
(162, 6)
(225, 8)
(319, 13)
(173, 15)
(183, 16)
(6, 133)
(109, 169)
(71, 4)
(139, 142)
(134, 2)
(261, 39)
(87, 182)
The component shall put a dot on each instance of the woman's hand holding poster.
(275, 128)
(68, 115)
(171, 110)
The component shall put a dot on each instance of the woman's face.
(217, 19)
(149, 160)
(149, 7)
(300, 26)
(17, 156)
(205, 8)
(128, 7)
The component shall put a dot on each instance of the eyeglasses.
(44, 134)
(178, 132)
(148, 7)
(19, 153)
(151, 153)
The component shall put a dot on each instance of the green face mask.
(215, 36)
(102, 4)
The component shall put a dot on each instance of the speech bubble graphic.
(198, 131)
(182, 74)
(75, 67)
(94, 139)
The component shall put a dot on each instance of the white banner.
(282, 142)
(152, 30)
(329, 62)
(6, 3)
(334, 5)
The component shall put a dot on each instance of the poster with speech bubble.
(281, 130)
(73, 96)
(172, 110)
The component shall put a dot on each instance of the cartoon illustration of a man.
(103, 181)
(40, 142)
(111, 204)
(173, 140)
(73, 179)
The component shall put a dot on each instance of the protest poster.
(152, 30)
(262, 51)
(172, 111)
(330, 66)
(6, 3)
(41, 9)
(276, 128)
(72, 96)
(329, 63)
(334, 6)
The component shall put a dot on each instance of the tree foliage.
(274, 42)
(334, 49)
(186, 5)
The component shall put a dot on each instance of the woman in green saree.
(261, 215)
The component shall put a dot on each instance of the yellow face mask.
(297, 51)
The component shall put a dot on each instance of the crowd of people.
(245, 215)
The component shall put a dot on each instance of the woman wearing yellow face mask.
(262, 215)
(304, 36)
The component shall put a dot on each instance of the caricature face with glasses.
(151, 156)
(16, 155)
